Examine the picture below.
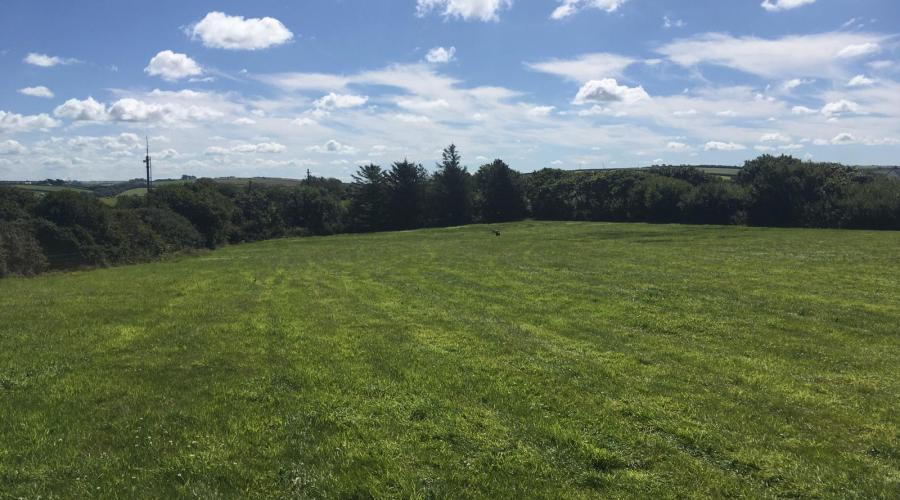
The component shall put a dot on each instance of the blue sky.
(277, 87)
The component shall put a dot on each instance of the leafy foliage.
(64, 229)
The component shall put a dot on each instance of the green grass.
(722, 171)
(39, 188)
(133, 192)
(559, 360)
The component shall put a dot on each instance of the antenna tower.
(149, 170)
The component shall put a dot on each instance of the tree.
(315, 209)
(406, 195)
(785, 191)
(550, 194)
(208, 210)
(499, 196)
(451, 190)
(368, 199)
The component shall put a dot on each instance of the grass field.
(558, 360)
(40, 188)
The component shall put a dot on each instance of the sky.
(279, 87)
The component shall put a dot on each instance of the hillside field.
(558, 360)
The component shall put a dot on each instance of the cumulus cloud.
(677, 146)
(481, 10)
(843, 138)
(82, 110)
(13, 122)
(11, 147)
(134, 110)
(608, 91)
(570, 7)
(440, 55)
(723, 146)
(340, 101)
(220, 31)
(860, 81)
(171, 66)
(45, 61)
(840, 108)
(334, 147)
(39, 91)
(779, 5)
(540, 111)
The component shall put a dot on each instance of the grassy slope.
(561, 359)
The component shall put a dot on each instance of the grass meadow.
(559, 360)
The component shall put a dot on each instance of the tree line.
(67, 229)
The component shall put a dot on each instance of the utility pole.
(147, 163)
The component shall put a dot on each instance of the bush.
(20, 252)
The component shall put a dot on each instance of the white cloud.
(482, 10)
(859, 49)
(10, 147)
(304, 121)
(803, 110)
(423, 105)
(82, 110)
(840, 108)
(333, 146)
(608, 90)
(264, 147)
(774, 137)
(167, 154)
(135, 110)
(171, 66)
(293, 82)
(780, 5)
(408, 118)
(723, 146)
(39, 91)
(795, 56)
(794, 83)
(13, 122)
(440, 55)
(685, 112)
(727, 114)
(843, 138)
(221, 31)
(586, 67)
(45, 61)
(678, 146)
(673, 23)
(540, 111)
(860, 81)
(244, 121)
(570, 7)
(340, 101)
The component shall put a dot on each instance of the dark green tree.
(499, 195)
(368, 199)
(406, 182)
(451, 195)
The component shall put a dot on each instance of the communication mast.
(149, 170)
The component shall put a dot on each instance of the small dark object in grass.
(496, 233)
